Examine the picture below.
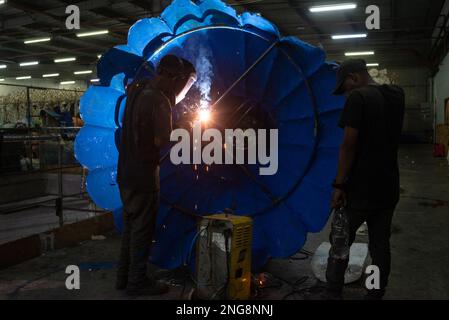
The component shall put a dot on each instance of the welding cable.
(304, 257)
(195, 238)
(304, 291)
(27, 283)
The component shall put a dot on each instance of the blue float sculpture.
(287, 78)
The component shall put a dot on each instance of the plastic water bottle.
(340, 235)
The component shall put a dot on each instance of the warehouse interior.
(48, 219)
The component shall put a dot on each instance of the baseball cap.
(345, 69)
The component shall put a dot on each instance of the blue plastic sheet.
(293, 84)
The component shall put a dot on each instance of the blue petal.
(98, 106)
(182, 15)
(144, 31)
(95, 147)
(256, 23)
(306, 56)
(103, 189)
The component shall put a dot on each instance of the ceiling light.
(23, 78)
(27, 64)
(99, 56)
(92, 33)
(50, 75)
(372, 64)
(2, 80)
(37, 40)
(2, 1)
(65, 60)
(3, 66)
(362, 53)
(95, 80)
(67, 82)
(349, 36)
(334, 7)
(83, 72)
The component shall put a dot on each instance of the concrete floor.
(420, 267)
(36, 220)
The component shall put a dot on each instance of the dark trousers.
(379, 231)
(139, 222)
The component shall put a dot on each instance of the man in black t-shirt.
(147, 125)
(367, 181)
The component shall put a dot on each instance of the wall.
(418, 119)
(441, 89)
(13, 99)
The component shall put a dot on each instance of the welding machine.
(223, 257)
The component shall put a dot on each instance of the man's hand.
(338, 199)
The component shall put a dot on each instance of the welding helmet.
(182, 73)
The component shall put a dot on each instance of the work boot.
(121, 282)
(147, 288)
(375, 294)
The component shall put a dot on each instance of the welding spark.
(204, 115)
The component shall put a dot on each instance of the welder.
(147, 125)
(367, 182)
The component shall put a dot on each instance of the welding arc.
(236, 82)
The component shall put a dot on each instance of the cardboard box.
(443, 135)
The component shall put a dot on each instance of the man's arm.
(347, 154)
(346, 160)
(163, 125)
(351, 121)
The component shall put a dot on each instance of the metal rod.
(39, 88)
(21, 138)
(28, 109)
(59, 206)
(39, 171)
(62, 128)
(236, 82)
(85, 210)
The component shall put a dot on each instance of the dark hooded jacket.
(377, 111)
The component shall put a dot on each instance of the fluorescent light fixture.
(27, 64)
(349, 36)
(3, 66)
(361, 53)
(67, 82)
(65, 60)
(372, 64)
(92, 33)
(50, 75)
(2, 80)
(95, 80)
(99, 56)
(23, 78)
(37, 40)
(2, 1)
(83, 72)
(333, 7)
